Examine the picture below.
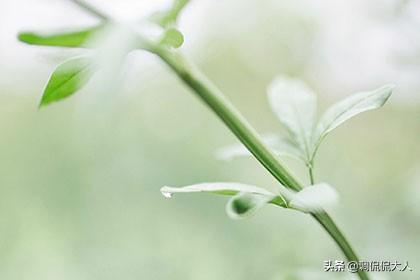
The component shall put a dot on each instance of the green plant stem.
(91, 9)
(328, 224)
(216, 100)
(311, 173)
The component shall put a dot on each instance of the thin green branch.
(311, 172)
(311, 175)
(172, 14)
(220, 105)
(91, 9)
(215, 99)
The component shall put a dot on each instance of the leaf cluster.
(74, 73)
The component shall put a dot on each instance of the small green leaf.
(314, 199)
(244, 205)
(246, 198)
(67, 79)
(295, 106)
(348, 108)
(172, 38)
(76, 38)
(280, 146)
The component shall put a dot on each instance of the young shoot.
(291, 100)
(295, 106)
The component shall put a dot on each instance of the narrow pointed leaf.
(77, 38)
(67, 79)
(244, 205)
(280, 146)
(350, 107)
(223, 188)
(295, 106)
(246, 198)
(314, 198)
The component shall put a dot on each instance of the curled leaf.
(67, 79)
(295, 106)
(314, 198)
(246, 200)
(244, 205)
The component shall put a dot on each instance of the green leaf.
(169, 17)
(244, 205)
(67, 79)
(172, 38)
(246, 198)
(223, 188)
(76, 38)
(348, 108)
(295, 106)
(280, 146)
(314, 199)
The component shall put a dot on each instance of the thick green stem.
(216, 100)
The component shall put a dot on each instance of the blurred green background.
(79, 180)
